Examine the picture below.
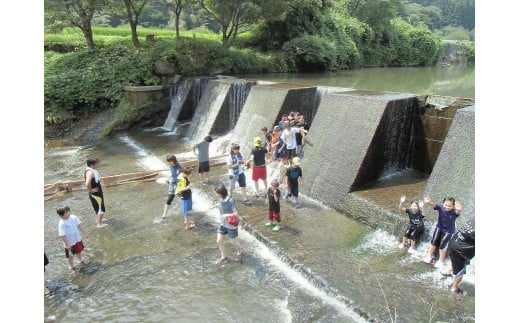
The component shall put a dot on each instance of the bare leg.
(237, 246)
(456, 282)
(244, 193)
(220, 244)
(442, 255)
(166, 209)
(99, 221)
(414, 244)
(431, 251)
(256, 188)
(70, 259)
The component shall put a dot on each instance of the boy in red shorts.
(69, 228)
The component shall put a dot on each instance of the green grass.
(123, 33)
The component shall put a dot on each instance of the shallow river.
(329, 270)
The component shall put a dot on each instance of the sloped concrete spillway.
(364, 149)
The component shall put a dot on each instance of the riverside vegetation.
(82, 81)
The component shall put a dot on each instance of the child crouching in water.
(273, 200)
(415, 227)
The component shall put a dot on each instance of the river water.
(455, 80)
(143, 271)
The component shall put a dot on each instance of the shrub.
(311, 53)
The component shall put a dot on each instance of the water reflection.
(456, 80)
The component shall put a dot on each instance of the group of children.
(460, 245)
(72, 233)
(286, 140)
(284, 147)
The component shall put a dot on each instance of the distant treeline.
(205, 37)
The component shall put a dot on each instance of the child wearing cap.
(183, 190)
(273, 201)
(259, 170)
(292, 176)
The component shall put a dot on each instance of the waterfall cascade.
(359, 136)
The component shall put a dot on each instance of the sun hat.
(296, 161)
(275, 183)
(258, 141)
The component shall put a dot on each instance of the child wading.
(175, 168)
(292, 176)
(183, 190)
(448, 211)
(415, 227)
(273, 200)
(236, 173)
(227, 208)
(69, 228)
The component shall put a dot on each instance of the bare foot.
(101, 225)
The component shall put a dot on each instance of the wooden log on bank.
(60, 188)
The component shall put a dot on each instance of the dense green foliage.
(245, 36)
(84, 81)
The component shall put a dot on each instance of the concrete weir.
(351, 143)
(454, 171)
(264, 106)
(363, 151)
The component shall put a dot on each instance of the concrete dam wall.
(356, 138)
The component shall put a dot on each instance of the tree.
(177, 9)
(133, 11)
(177, 6)
(77, 13)
(234, 15)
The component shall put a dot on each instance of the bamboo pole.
(60, 188)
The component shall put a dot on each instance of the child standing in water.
(175, 168)
(449, 210)
(292, 176)
(227, 208)
(95, 190)
(415, 227)
(183, 190)
(236, 173)
(69, 228)
(273, 200)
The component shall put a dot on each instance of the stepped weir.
(356, 139)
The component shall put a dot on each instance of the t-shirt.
(299, 136)
(232, 161)
(203, 151)
(289, 137)
(446, 220)
(183, 182)
(273, 205)
(293, 173)
(259, 155)
(69, 229)
(174, 170)
(227, 206)
(416, 219)
(464, 240)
